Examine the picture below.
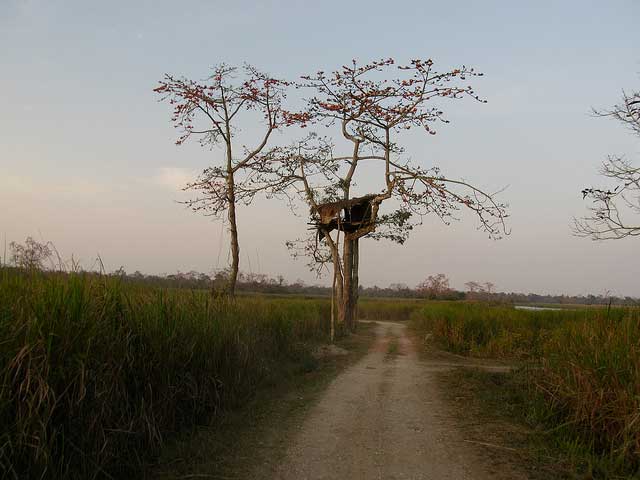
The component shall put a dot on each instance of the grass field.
(579, 378)
(388, 309)
(244, 442)
(96, 375)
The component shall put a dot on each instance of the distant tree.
(210, 111)
(489, 287)
(479, 290)
(611, 207)
(31, 255)
(137, 275)
(120, 272)
(434, 286)
(473, 287)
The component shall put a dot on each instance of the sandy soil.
(384, 418)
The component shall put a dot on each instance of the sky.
(88, 160)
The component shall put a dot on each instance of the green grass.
(496, 411)
(580, 377)
(252, 441)
(97, 375)
(393, 346)
(486, 330)
(387, 309)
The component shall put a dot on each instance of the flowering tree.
(434, 286)
(210, 112)
(370, 106)
(611, 207)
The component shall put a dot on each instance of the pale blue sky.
(87, 157)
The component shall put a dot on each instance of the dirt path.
(383, 418)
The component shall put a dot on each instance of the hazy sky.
(88, 161)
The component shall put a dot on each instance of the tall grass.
(590, 379)
(482, 329)
(386, 309)
(95, 374)
(585, 380)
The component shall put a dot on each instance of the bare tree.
(210, 112)
(31, 255)
(479, 290)
(370, 106)
(489, 288)
(474, 289)
(434, 286)
(611, 207)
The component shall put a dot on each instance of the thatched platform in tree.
(348, 216)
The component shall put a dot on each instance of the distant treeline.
(265, 284)
(34, 255)
(262, 283)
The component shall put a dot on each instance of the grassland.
(388, 309)
(252, 441)
(578, 383)
(97, 375)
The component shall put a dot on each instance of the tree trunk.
(355, 282)
(347, 300)
(332, 327)
(337, 292)
(345, 289)
(233, 226)
(235, 249)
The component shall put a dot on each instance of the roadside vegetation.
(578, 381)
(388, 309)
(97, 374)
(100, 373)
(252, 441)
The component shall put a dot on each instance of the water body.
(526, 307)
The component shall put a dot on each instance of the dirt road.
(384, 418)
